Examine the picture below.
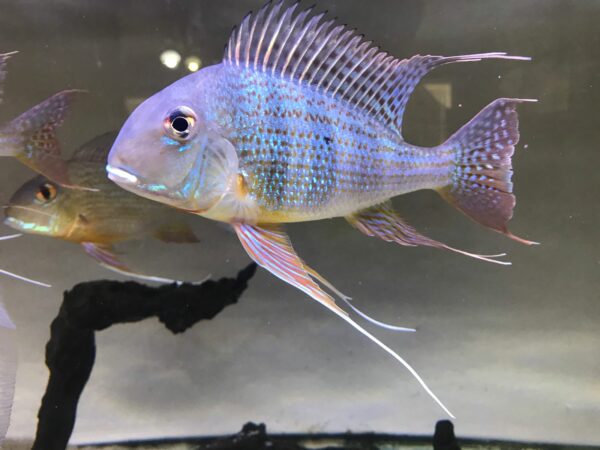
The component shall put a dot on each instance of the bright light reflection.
(170, 58)
(193, 63)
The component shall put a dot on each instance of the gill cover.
(215, 174)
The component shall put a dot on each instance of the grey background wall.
(513, 351)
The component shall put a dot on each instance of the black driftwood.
(96, 305)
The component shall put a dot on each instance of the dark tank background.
(513, 351)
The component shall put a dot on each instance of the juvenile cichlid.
(96, 219)
(31, 137)
(302, 120)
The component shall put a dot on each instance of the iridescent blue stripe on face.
(181, 147)
(27, 226)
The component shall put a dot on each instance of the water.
(513, 351)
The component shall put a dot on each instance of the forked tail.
(481, 184)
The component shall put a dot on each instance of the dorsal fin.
(95, 150)
(3, 59)
(338, 61)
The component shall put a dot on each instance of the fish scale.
(302, 163)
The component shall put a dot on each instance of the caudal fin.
(31, 137)
(481, 185)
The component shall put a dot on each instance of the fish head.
(171, 150)
(40, 206)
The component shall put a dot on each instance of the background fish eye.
(180, 122)
(46, 193)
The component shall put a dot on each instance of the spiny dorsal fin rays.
(282, 44)
(271, 248)
(292, 56)
(317, 33)
(334, 59)
(321, 45)
(332, 70)
(280, 24)
(273, 12)
(322, 58)
(365, 54)
(3, 59)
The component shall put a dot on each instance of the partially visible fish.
(31, 136)
(8, 369)
(301, 121)
(95, 219)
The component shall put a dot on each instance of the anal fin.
(271, 249)
(382, 221)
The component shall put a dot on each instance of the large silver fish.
(302, 120)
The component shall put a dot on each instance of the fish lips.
(157, 192)
(10, 220)
(23, 225)
(121, 176)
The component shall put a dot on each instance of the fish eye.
(46, 193)
(180, 122)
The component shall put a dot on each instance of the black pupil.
(180, 124)
(45, 191)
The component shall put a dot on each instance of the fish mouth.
(27, 227)
(137, 185)
(121, 176)
(13, 223)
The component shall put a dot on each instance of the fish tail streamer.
(481, 185)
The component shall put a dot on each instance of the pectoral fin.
(271, 248)
(382, 221)
(106, 256)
